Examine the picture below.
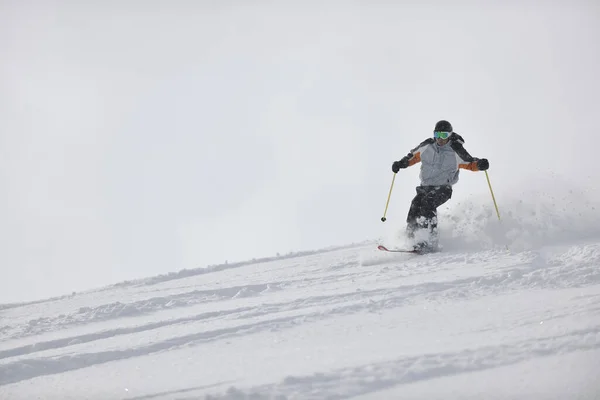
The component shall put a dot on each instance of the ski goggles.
(441, 134)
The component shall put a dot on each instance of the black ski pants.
(423, 209)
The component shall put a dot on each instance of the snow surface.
(509, 310)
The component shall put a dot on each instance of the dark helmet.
(443, 126)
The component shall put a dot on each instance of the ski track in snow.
(375, 377)
(42, 341)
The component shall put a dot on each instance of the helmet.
(443, 126)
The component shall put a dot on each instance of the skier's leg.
(442, 195)
(435, 198)
(415, 212)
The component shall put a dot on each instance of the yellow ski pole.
(492, 192)
(495, 204)
(388, 200)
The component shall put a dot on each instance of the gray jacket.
(440, 164)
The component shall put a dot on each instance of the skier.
(441, 158)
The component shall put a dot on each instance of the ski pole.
(388, 200)
(492, 192)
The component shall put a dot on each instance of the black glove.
(397, 165)
(483, 164)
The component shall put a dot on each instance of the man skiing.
(441, 158)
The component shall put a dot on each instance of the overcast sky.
(143, 137)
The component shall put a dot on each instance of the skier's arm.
(412, 158)
(472, 166)
(466, 161)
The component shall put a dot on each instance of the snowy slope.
(475, 321)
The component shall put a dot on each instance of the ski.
(383, 248)
(414, 251)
